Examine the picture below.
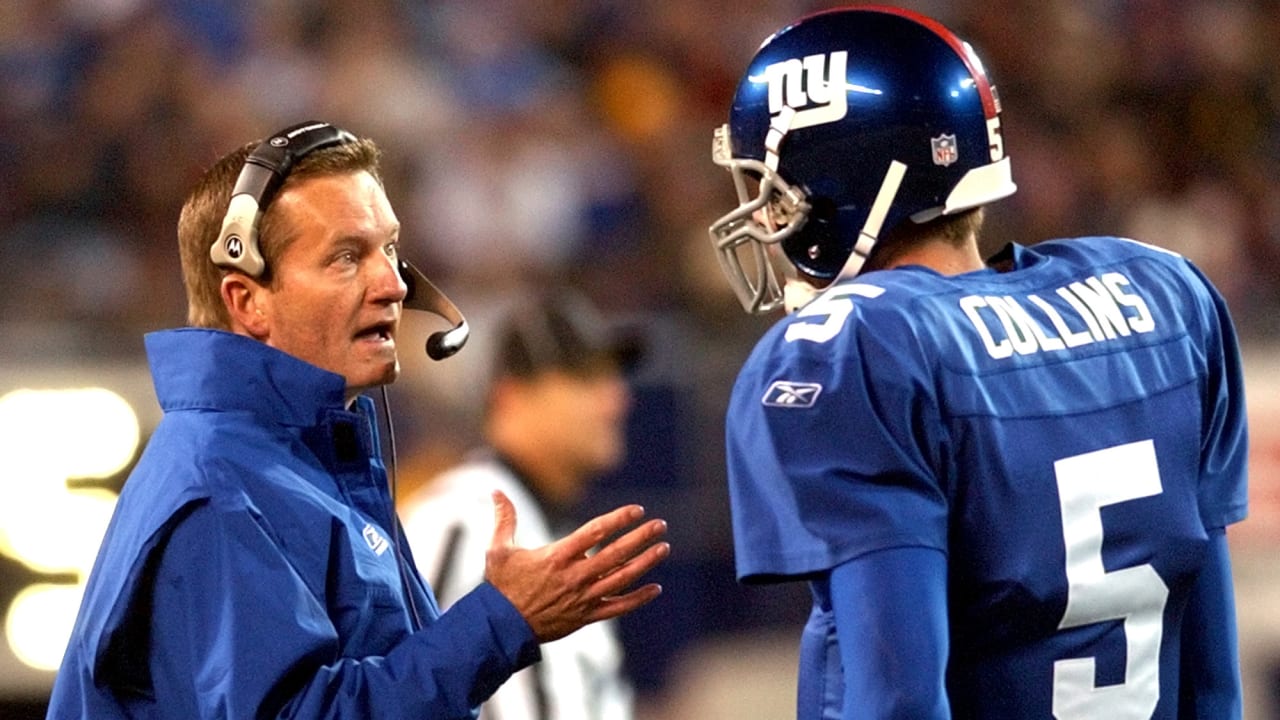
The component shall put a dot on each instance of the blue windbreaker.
(249, 572)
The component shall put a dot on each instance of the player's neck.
(940, 256)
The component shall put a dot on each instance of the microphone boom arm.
(425, 296)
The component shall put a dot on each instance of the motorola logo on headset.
(263, 173)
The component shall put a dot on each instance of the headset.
(263, 173)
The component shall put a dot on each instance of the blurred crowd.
(568, 141)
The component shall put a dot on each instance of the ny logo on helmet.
(816, 87)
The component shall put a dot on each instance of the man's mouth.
(381, 332)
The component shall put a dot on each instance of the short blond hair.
(206, 206)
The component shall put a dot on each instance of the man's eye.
(392, 249)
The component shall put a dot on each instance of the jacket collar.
(195, 368)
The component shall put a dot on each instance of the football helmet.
(847, 123)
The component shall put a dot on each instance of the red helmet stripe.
(950, 38)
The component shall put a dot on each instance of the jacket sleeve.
(890, 613)
(239, 633)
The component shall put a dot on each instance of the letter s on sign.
(48, 437)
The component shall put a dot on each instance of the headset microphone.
(424, 295)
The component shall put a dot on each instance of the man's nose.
(387, 284)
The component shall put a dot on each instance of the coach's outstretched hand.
(560, 587)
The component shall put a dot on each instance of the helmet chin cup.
(797, 293)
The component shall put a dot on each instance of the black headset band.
(278, 154)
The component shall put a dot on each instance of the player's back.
(1057, 411)
(1071, 394)
(1071, 390)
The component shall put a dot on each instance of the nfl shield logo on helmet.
(944, 150)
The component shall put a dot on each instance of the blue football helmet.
(847, 123)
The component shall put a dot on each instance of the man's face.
(336, 294)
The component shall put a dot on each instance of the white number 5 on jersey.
(1135, 595)
(834, 307)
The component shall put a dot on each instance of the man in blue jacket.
(253, 568)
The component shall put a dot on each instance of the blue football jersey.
(1066, 429)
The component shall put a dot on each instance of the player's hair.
(203, 212)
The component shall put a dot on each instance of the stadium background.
(567, 141)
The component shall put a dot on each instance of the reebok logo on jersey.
(786, 394)
(374, 539)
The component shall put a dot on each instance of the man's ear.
(248, 305)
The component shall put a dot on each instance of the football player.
(1006, 480)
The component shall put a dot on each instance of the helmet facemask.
(747, 238)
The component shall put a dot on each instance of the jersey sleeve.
(832, 447)
(899, 673)
(1223, 491)
(1210, 659)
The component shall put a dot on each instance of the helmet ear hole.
(817, 248)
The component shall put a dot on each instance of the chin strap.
(797, 293)
(872, 228)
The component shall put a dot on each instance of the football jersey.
(1066, 430)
